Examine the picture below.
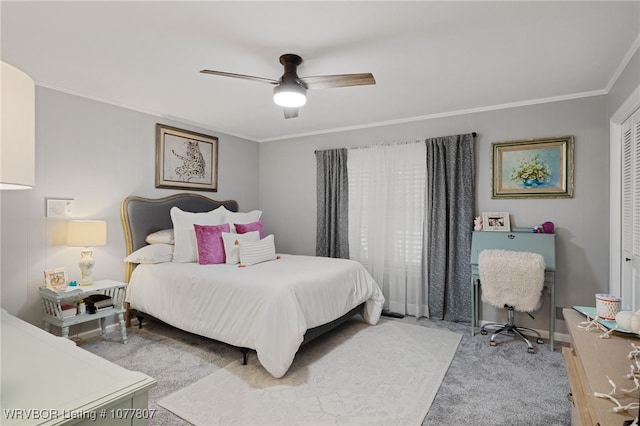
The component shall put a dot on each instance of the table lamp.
(87, 234)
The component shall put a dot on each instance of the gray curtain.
(332, 233)
(450, 201)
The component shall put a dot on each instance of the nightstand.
(54, 314)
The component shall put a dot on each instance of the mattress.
(267, 307)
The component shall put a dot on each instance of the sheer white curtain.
(386, 216)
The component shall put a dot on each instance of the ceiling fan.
(290, 91)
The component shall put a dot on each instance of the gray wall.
(287, 185)
(626, 83)
(97, 154)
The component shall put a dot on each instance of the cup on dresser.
(607, 306)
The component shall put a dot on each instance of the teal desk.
(521, 239)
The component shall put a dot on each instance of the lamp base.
(86, 264)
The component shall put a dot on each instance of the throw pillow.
(243, 228)
(232, 244)
(210, 245)
(185, 246)
(153, 253)
(257, 252)
(164, 236)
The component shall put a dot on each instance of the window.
(386, 216)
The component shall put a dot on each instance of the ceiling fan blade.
(242, 76)
(339, 80)
(290, 112)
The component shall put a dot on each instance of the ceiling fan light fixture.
(289, 95)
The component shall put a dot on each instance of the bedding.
(164, 236)
(209, 243)
(257, 252)
(243, 228)
(270, 303)
(185, 246)
(267, 306)
(232, 241)
(153, 253)
(234, 218)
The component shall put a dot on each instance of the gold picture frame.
(533, 168)
(186, 160)
(496, 221)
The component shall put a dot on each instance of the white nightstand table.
(53, 312)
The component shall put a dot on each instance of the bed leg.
(245, 354)
(140, 318)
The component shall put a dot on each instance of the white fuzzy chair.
(511, 280)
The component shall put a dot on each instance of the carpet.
(358, 374)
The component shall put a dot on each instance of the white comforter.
(266, 307)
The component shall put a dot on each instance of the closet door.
(630, 293)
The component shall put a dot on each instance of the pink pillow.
(243, 228)
(210, 245)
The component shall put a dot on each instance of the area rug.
(358, 374)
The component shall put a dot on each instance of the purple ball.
(547, 227)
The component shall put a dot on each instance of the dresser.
(48, 380)
(589, 362)
(520, 239)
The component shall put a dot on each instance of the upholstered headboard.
(142, 216)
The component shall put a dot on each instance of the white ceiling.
(429, 58)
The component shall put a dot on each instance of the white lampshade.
(289, 95)
(86, 233)
(17, 129)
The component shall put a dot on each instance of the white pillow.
(185, 244)
(257, 252)
(161, 237)
(153, 253)
(239, 217)
(232, 241)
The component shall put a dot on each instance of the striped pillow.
(257, 252)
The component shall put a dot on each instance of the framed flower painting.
(533, 168)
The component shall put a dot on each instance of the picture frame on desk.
(496, 221)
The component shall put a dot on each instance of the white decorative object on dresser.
(47, 380)
(54, 303)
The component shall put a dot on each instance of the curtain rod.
(474, 134)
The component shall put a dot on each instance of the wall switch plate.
(60, 208)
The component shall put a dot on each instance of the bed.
(270, 307)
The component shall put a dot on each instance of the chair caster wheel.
(493, 344)
(531, 350)
(540, 341)
(483, 332)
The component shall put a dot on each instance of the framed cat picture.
(186, 160)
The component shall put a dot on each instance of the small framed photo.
(56, 279)
(186, 160)
(496, 221)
